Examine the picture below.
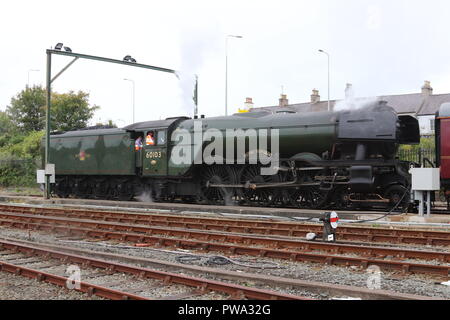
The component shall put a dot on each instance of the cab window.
(161, 137)
(150, 138)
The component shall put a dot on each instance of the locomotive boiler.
(324, 159)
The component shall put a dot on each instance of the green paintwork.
(111, 151)
(93, 152)
(315, 132)
(155, 161)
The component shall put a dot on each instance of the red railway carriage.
(443, 145)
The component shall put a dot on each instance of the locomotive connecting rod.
(255, 186)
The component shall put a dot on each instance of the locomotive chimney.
(284, 100)
(315, 97)
(427, 90)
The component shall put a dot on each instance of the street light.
(31, 70)
(132, 81)
(328, 77)
(226, 70)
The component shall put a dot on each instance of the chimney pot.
(349, 91)
(247, 105)
(427, 89)
(315, 97)
(284, 100)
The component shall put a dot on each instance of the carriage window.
(161, 137)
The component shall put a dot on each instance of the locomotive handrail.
(429, 161)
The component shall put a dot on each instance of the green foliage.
(109, 123)
(425, 143)
(6, 124)
(71, 111)
(31, 146)
(22, 125)
(17, 173)
(27, 109)
(417, 153)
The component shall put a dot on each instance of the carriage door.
(155, 153)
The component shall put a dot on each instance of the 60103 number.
(153, 154)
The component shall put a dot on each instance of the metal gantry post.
(47, 126)
(49, 81)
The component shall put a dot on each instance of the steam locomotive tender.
(327, 160)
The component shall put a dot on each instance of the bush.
(18, 173)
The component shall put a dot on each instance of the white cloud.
(373, 17)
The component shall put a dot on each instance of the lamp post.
(328, 55)
(31, 70)
(132, 81)
(226, 70)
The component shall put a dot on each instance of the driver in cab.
(150, 140)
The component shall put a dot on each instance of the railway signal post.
(330, 223)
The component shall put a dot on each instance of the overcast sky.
(381, 47)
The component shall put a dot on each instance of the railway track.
(385, 258)
(352, 233)
(319, 288)
(116, 281)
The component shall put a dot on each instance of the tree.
(71, 111)
(109, 123)
(6, 124)
(27, 109)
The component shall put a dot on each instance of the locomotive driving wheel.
(340, 198)
(398, 197)
(216, 175)
(251, 177)
(308, 197)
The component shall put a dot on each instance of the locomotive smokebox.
(370, 133)
(378, 123)
(375, 123)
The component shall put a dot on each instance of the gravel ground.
(150, 288)
(353, 276)
(14, 287)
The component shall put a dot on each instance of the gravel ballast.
(352, 276)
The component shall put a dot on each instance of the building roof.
(415, 103)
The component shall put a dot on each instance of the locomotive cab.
(152, 159)
(155, 153)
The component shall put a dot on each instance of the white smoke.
(352, 103)
(187, 87)
(145, 196)
(198, 43)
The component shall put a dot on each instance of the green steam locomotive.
(316, 160)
